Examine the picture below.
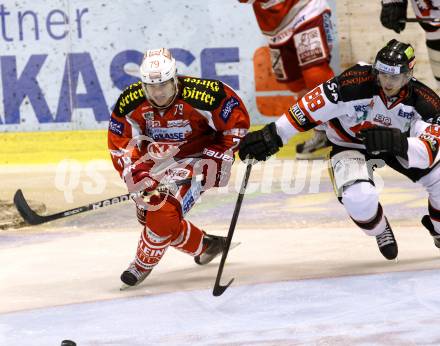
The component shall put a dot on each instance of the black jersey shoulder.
(204, 94)
(425, 101)
(130, 98)
(357, 82)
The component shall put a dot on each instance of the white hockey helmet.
(159, 80)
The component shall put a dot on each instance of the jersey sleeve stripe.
(293, 122)
(337, 127)
(300, 118)
(430, 154)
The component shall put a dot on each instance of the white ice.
(382, 309)
(304, 275)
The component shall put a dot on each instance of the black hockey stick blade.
(219, 288)
(32, 218)
(25, 210)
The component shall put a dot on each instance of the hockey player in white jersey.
(373, 112)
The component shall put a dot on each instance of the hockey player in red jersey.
(393, 15)
(376, 114)
(167, 128)
(300, 38)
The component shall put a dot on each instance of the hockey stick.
(218, 288)
(32, 218)
(419, 20)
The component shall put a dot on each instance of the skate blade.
(219, 254)
(234, 245)
(125, 287)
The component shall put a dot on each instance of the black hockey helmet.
(395, 58)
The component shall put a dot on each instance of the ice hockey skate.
(214, 247)
(426, 221)
(387, 243)
(314, 148)
(132, 276)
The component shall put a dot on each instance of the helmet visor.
(161, 94)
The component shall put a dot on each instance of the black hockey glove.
(393, 13)
(260, 144)
(385, 140)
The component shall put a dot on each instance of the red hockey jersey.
(274, 15)
(207, 118)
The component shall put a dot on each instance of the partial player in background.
(168, 128)
(393, 16)
(376, 114)
(300, 38)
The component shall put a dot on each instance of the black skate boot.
(426, 221)
(214, 247)
(133, 276)
(387, 243)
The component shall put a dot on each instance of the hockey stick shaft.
(218, 288)
(420, 20)
(32, 218)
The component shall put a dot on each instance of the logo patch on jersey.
(205, 94)
(283, 36)
(406, 115)
(360, 108)
(298, 115)
(380, 118)
(227, 108)
(177, 123)
(310, 46)
(116, 127)
(331, 90)
(432, 142)
(148, 115)
(362, 111)
(152, 123)
(179, 133)
(130, 98)
(300, 118)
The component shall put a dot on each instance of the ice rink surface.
(304, 274)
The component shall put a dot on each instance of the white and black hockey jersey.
(354, 101)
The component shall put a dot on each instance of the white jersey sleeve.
(423, 144)
(316, 107)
